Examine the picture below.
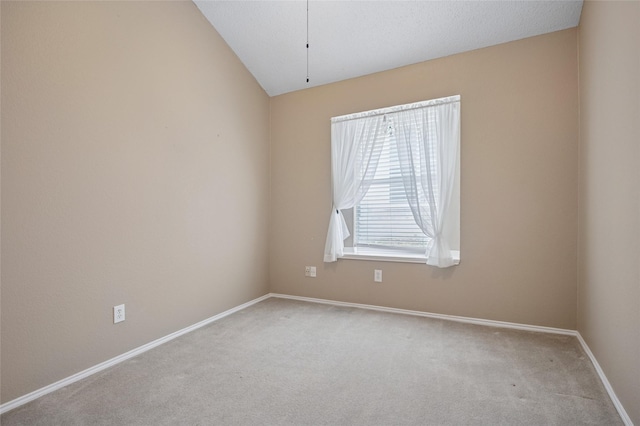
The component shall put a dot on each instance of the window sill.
(352, 253)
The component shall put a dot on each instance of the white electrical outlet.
(377, 275)
(310, 271)
(118, 314)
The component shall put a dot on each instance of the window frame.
(352, 252)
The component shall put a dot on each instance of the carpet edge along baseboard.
(10, 405)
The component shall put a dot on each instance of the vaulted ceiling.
(353, 38)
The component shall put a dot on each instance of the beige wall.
(519, 185)
(609, 248)
(135, 169)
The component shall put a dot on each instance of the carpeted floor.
(284, 362)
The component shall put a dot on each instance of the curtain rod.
(397, 108)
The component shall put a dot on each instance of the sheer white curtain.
(355, 150)
(428, 140)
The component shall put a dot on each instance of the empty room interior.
(173, 247)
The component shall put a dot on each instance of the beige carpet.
(283, 362)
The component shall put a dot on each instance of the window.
(383, 218)
(395, 177)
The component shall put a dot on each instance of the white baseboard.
(137, 351)
(10, 405)
(468, 320)
(616, 402)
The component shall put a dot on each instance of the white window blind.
(383, 218)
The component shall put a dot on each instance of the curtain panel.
(355, 150)
(428, 141)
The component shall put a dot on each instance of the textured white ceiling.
(352, 38)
